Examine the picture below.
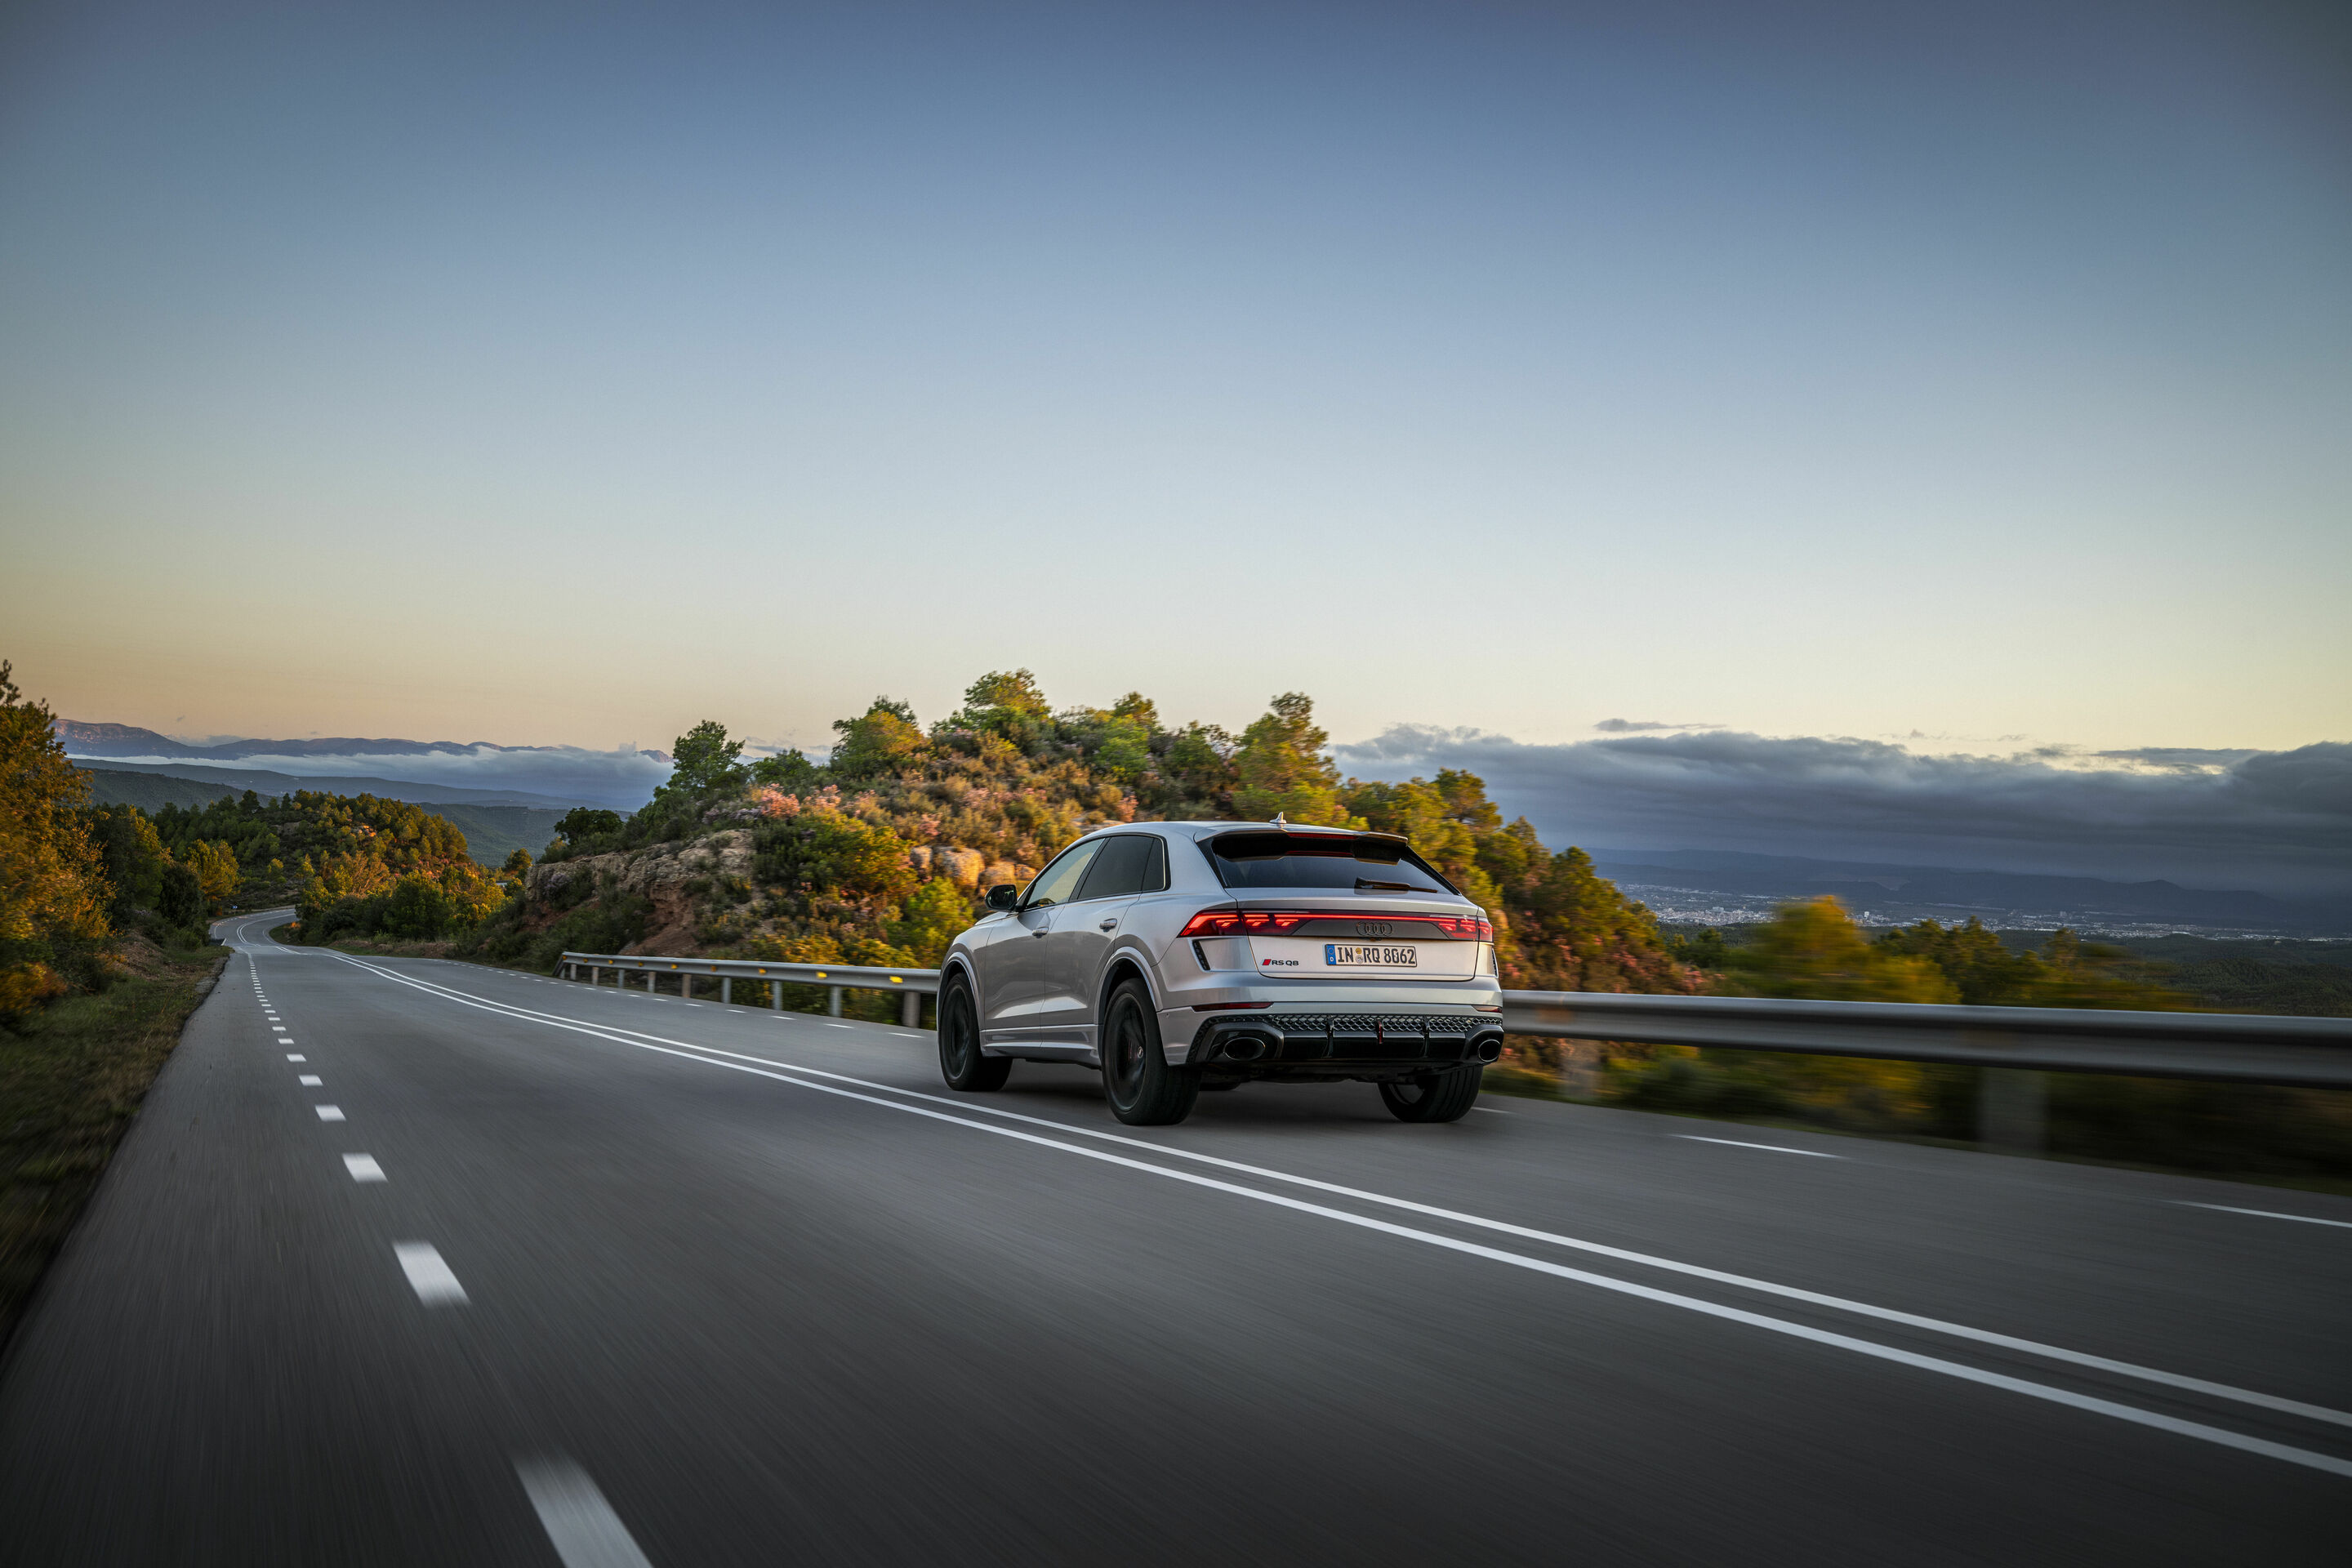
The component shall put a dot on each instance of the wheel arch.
(1125, 963)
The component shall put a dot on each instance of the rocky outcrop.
(659, 871)
(1000, 872)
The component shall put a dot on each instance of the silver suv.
(1178, 956)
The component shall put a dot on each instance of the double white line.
(803, 1077)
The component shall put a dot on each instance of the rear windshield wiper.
(1366, 885)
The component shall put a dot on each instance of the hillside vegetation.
(102, 955)
(878, 855)
(492, 833)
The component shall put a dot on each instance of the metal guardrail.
(2312, 1053)
(914, 984)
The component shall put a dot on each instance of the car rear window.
(1350, 861)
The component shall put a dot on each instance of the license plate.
(1375, 955)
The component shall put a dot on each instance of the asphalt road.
(645, 1281)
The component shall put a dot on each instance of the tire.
(1142, 1089)
(1434, 1097)
(961, 1062)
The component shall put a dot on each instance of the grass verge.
(71, 1078)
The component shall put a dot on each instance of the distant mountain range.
(84, 740)
(236, 781)
(480, 772)
(1893, 893)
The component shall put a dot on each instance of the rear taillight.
(1279, 923)
(1464, 927)
(1246, 922)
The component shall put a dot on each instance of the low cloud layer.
(1642, 726)
(2277, 822)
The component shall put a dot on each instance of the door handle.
(1110, 924)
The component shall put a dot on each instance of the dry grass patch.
(71, 1078)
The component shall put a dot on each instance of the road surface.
(415, 1262)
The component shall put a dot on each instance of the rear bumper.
(1318, 1043)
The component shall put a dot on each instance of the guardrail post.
(833, 999)
(726, 990)
(2013, 1110)
(776, 994)
(910, 1008)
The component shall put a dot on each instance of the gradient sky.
(565, 374)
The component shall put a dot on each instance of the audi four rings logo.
(1374, 928)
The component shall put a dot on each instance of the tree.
(216, 872)
(1196, 771)
(1814, 949)
(132, 855)
(1005, 703)
(417, 909)
(1280, 768)
(930, 918)
(703, 760)
(882, 740)
(823, 854)
(787, 769)
(518, 865)
(1571, 929)
(585, 822)
(1982, 970)
(2066, 972)
(53, 888)
(180, 897)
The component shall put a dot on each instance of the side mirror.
(1003, 895)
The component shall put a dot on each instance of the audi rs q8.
(1178, 956)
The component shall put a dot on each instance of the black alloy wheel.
(1434, 1097)
(1142, 1089)
(960, 1061)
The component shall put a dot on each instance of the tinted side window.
(1059, 881)
(1124, 868)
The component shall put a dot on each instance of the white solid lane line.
(580, 1524)
(1775, 1148)
(364, 1168)
(2132, 1414)
(2266, 1213)
(329, 1112)
(310, 1080)
(433, 1280)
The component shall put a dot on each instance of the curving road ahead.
(411, 1262)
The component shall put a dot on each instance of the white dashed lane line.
(1775, 1147)
(296, 1056)
(580, 1524)
(364, 1168)
(434, 1282)
(2266, 1213)
(329, 1112)
(310, 1080)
